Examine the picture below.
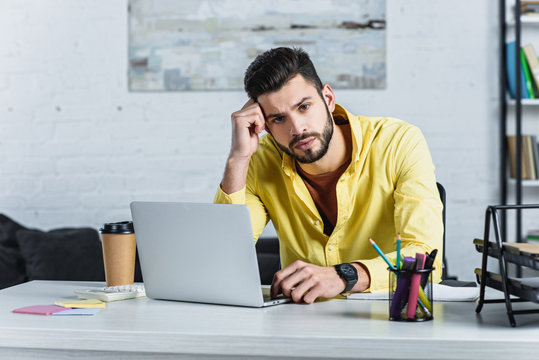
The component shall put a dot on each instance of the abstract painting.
(206, 45)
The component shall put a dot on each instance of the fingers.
(307, 291)
(282, 275)
(250, 116)
(248, 103)
(298, 281)
(305, 282)
(247, 124)
(253, 108)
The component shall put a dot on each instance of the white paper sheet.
(440, 292)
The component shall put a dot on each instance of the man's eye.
(304, 107)
(278, 119)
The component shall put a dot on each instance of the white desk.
(143, 328)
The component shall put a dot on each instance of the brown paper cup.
(119, 257)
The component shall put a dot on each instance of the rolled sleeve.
(222, 197)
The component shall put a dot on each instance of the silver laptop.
(199, 253)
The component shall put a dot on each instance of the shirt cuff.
(378, 273)
(237, 197)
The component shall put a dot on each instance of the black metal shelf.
(526, 289)
(512, 254)
(517, 108)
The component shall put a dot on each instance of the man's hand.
(306, 282)
(247, 123)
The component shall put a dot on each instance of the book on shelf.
(529, 156)
(529, 7)
(530, 82)
(510, 48)
(535, 154)
(530, 142)
(526, 173)
(532, 236)
(533, 65)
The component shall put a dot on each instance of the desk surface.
(329, 329)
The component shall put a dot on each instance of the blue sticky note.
(74, 312)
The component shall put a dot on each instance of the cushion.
(8, 231)
(12, 267)
(12, 270)
(63, 254)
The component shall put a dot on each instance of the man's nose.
(297, 126)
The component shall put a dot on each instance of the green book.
(532, 236)
(527, 75)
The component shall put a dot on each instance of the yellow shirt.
(389, 187)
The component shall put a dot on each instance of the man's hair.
(271, 70)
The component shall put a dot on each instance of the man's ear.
(329, 97)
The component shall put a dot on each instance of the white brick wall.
(76, 147)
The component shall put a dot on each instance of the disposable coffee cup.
(119, 251)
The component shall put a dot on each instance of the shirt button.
(331, 248)
(317, 222)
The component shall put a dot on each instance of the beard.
(309, 155)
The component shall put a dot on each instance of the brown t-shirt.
(323, 190)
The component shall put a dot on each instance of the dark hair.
(271, 70)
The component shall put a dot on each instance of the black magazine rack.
(521, 254)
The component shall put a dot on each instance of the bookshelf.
(504, 249)
(515, 113)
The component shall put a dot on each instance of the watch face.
(347, 271)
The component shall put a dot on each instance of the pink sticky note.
(40, 309)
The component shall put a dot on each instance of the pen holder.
(410, 295)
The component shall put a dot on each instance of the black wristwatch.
(348, 273)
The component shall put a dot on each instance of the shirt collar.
(355, 127)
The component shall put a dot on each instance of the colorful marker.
(398, 250)
(414, 286)
(424, 299)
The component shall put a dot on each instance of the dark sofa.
(76, 254)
